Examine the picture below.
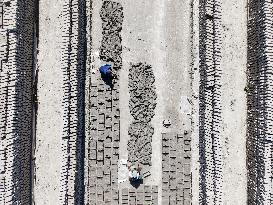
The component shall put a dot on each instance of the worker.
(134, 173)
(106, 71)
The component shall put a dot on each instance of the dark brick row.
(210, 128)
(259, 102)
(73, 68)
(16, 101)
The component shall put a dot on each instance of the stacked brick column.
(210, 127)
(259, 102)
(73, 67)
(16, 101)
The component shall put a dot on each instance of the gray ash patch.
(112, 18)
(142, 104)
(139, 145)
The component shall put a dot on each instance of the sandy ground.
(195, 78)
(234, 100)
(49, 119)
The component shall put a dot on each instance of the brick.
(93, 144)
(165, 150)
(100, 155)
(187, 168)
(107, 162)
(115, 126)
(93, 154)
(187, 193)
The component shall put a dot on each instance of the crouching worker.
(106, 71)
(107, 75)
(134, 173)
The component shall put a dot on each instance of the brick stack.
(259, 103)
(73, 67)
(210, 111)
(16, 116)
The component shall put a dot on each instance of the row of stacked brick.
(176, 169)
(73, 68)
(210, 111)
(104, 114)
(104, 133)
(143, 195)
(141, 104)
(16, 116)
(259, 102)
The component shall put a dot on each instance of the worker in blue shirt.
(106, 71)
(107, 75)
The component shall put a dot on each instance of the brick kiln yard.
(191, 102)
(125, 123)
(128, 122)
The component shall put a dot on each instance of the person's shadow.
(108, 80)
(136, 183)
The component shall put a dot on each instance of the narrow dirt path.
(234, 62)
(50, 112)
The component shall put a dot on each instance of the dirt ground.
(158, 33)
(188, 99)
(48, 145)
